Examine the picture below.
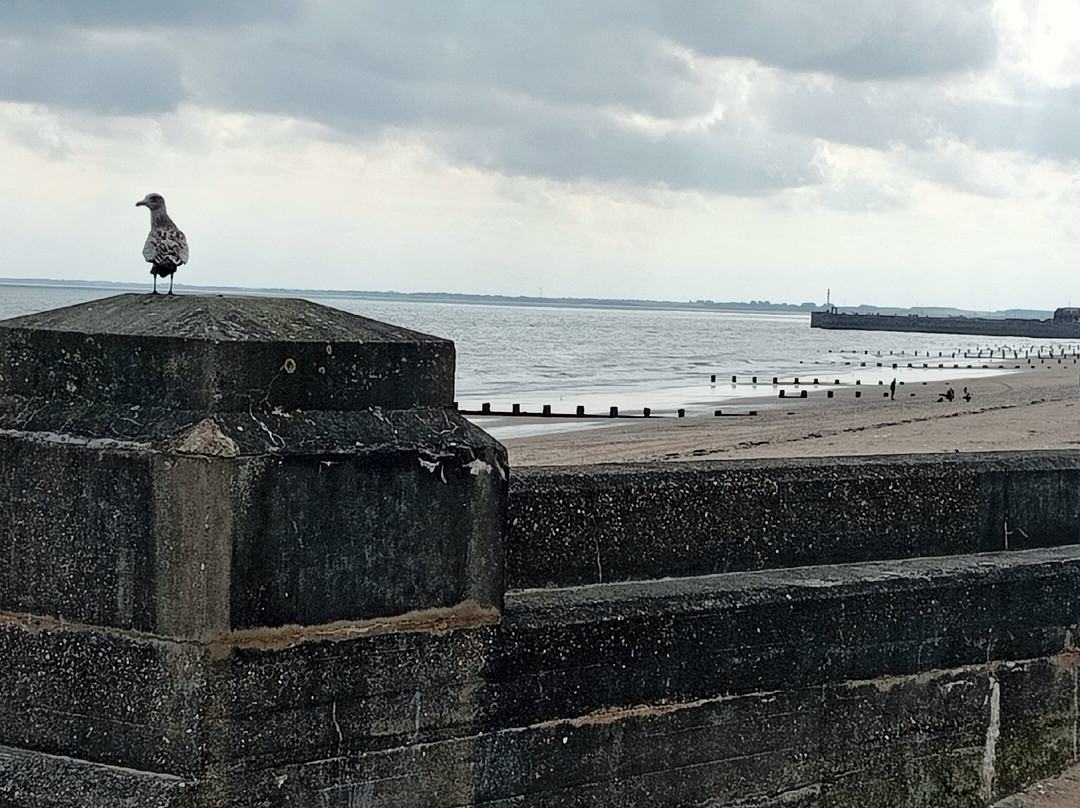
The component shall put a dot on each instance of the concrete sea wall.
(1039, 329)
(597, 524)
(358, 606)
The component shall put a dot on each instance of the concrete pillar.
(189, 478)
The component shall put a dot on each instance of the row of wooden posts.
(546, 412)
(613, 412)
(776, 379)
(990, 353)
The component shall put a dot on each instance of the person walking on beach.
(892, 391)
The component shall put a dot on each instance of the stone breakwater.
(333, 593)
(1039, 329)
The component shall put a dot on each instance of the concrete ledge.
(37, 780)
(579, 650)
(574, 526)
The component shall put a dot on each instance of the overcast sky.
(898, 152)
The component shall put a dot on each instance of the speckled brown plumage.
(166, 247)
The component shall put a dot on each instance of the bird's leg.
(155, 283)
(170, 284)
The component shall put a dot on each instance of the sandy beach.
(1037, 407)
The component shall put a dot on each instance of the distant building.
(1067, 315)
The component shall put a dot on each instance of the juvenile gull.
(166, 247)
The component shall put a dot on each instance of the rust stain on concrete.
(435, 621)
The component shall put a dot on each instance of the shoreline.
(704, 400)
(1034, 408)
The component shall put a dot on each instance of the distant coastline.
(525, 300)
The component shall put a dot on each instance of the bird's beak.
(140, 202)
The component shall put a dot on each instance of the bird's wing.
(149, 250)
(166, 245)
(181, 241)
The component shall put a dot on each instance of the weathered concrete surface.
(37, 780)
(218, 353)
(585, 525)
(154, 483)
(145, 535)
(931, 682)
(575, 651)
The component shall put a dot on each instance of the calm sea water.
(632, 358)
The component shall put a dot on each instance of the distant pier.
(1064, 325)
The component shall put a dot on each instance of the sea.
(633, 358)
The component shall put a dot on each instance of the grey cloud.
(717, 161)
(16, 15)
(533, 91)
(518, 133)
(119, 76)
(875, 39)
(524, 88)
(534, 95)
(566, 60)
(874, 116)
(1041, 122)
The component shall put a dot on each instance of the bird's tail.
(164, 269)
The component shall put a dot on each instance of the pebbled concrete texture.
(37, 780)
(570, 526)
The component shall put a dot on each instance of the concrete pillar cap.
(220, 353)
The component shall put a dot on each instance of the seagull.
(166, 247)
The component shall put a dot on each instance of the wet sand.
(1037, 407)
